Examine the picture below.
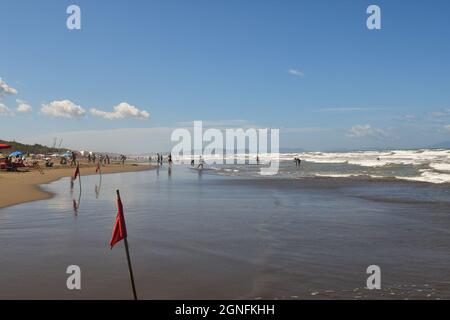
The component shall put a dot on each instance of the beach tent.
(16, 154)
(4, 146)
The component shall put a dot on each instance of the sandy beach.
(20, 187)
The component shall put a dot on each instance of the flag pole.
(79, 177)
(130, 269)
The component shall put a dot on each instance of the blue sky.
(311, 68)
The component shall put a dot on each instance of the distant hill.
(29, 148)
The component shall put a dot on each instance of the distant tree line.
(29, 148)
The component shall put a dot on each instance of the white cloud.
(121, 111)
(410, 117)
(366, 130)
(6, 89)
(296, 72)
(23, 106)
(63, 109)
(4, 110)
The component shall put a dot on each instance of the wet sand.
(203, 236)
(24, 186)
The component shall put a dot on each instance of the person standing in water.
(201, 162)
(170, 159)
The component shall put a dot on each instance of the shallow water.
(209, 236)
(423, 165)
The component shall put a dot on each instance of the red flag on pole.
(76, 173)
(120, 229)
(120, 233)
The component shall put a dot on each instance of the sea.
(312, 231)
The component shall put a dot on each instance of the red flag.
(120, 229)
(76, 173)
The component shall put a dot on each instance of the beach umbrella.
(4, 146)
(16, 154)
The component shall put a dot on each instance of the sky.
(138, 69)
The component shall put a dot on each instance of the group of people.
(160, 159)
(298, 161)
(102, 158)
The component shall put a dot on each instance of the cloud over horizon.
(296, 72)
(6, 89)
(366, 130)
(4, 110)
(63, 109)
(23, 106)
(122, 111)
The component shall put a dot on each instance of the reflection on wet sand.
(200, 235)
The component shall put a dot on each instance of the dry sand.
(20, 187)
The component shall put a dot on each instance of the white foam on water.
(437, 160)
(440, 166)
(428, 176)
(337, 175)
(376, 158)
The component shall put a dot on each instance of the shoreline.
(22, 187)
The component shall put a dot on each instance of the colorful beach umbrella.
(16, 154)
(4, 146)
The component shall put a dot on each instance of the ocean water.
(213, 234)
(423, 165)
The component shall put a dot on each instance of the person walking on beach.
(170, 159)
(107, 159)
(192, 162)
(257, 159)
(73, 161)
